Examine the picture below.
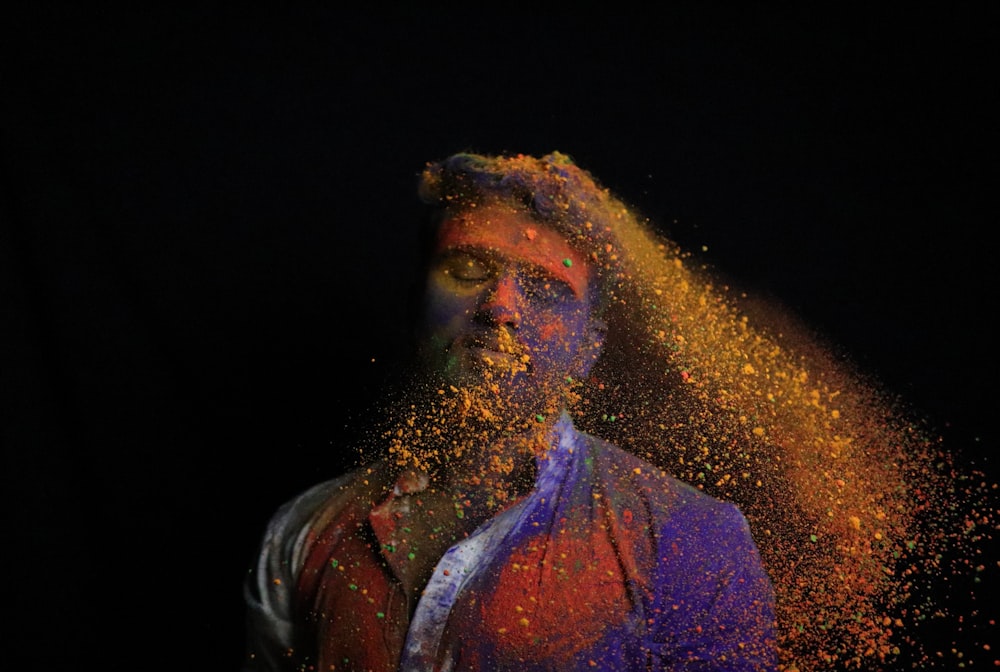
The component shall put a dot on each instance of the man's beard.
(487, 430)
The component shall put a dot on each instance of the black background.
(207, 218)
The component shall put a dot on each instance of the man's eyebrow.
(478, 253)
(467, 248)
(548, 275)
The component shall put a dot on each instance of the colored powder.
(877, 539)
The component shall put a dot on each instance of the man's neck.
(494, 467)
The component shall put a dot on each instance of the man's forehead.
(507, 233)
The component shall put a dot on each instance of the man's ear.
(593, 345)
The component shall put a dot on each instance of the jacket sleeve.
(267, 592)
(272, 633)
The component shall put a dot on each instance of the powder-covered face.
(508, 305)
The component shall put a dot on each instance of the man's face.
(508, 306)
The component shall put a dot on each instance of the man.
(490, 533)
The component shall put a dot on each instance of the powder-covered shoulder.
(292, 523)
(634, 483)
(269, 587)
(285, 540)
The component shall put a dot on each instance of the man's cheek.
(558, 330)
(551, 348)
(553, 333)
(445, 311)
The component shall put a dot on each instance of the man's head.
(551, 190)
(521, 269)
(530, 230)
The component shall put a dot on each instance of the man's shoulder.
(638, 495)
(315, 506)
(632, 476)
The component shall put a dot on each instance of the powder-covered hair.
(551, 189)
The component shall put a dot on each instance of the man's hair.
(553, 187)
(552, 190)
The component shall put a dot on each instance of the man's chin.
(493, 364)
(482, 366)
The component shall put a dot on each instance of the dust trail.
(875, 536)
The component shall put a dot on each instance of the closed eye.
(467, 267)
(472, 269)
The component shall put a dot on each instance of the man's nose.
(503, 301)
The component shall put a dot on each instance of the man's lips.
(496, 341)
(494, 352)
(491, 355)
